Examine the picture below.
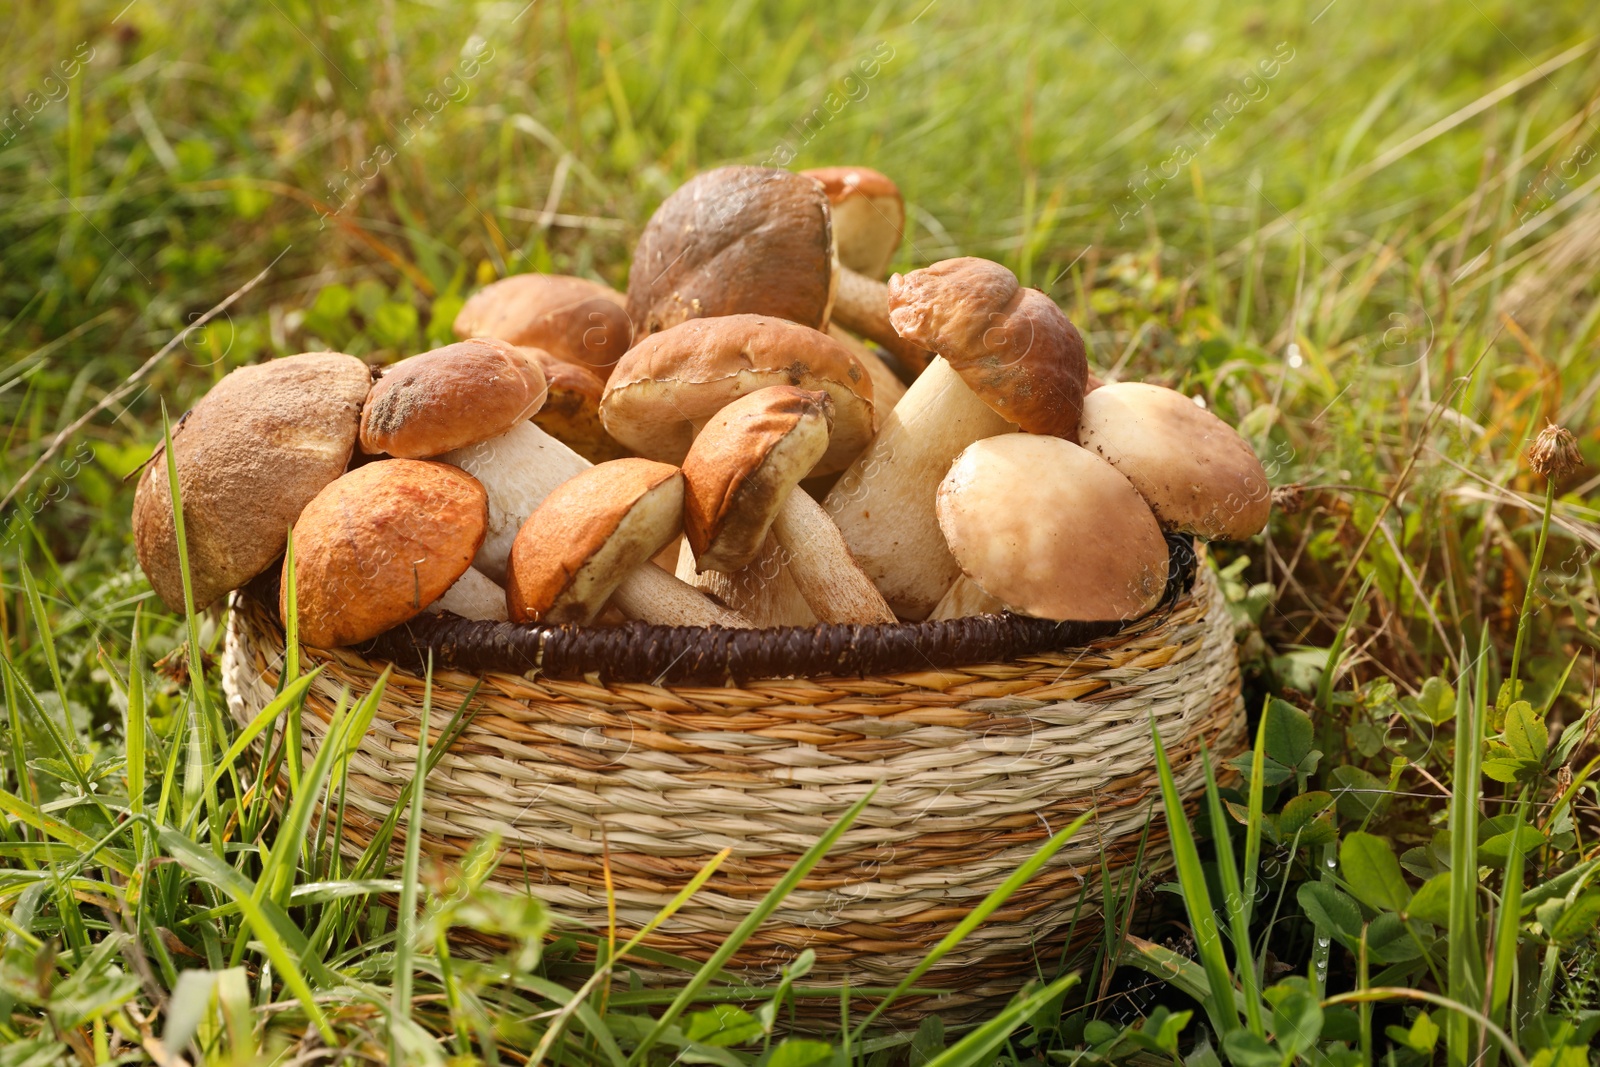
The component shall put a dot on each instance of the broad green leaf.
(800, 1052)
(1437, 701)
(722, 1026)
(1431, 903)
(1359, 794)
(1421, 1037)
(1525, 732)
(1245, 1049)
(1509, 769)
(1296, 1016)
(1290, 736)
(1497, 849)
(1307, 818)
(1388, 941)
(1369, 867)
(1330, 910)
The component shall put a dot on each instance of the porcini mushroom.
(378, 545)
(742, 472)
(735, 240)
(761, 591)
(1195, 471)
(1049, 529)
(1007, 357)
(473, 596)
(250, 455)
(468, 404)
(574, 319)
(590, 542)
(571, 411)
(672, 382)
(869, 216)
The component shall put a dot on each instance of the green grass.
(1364, 231)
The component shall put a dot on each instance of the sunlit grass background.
(1365, 232)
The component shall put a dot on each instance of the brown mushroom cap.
(571, 412)
(449, 398)
(869, 216)
(743, 466)
(250, 456)
(587, 535)
(1052, 530)
(1198, 475)
(673, 380)
(573, 319)
(1012, 346)
(379, 545)
(735, 240)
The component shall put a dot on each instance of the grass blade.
(973, 919)
(751, 922)
(406, 916)
(1196, 897)
(1465, 965)
(1235, 904)
(978, 1046)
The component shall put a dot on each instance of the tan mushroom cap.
(250, 455)
(869, 216)
(674, 380)
(379, 545)
(573, 319)
(449, 398)
(571, 412)
(1198, 475)
(1012, 346)
(735, 240)
(744, 465)
(1052, 530)
(587, 535)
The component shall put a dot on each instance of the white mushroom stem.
(650, 594)
(518, 470)
(966, 597)
(862, 307)
(820, 563)
(473, 596)
(762, 590)
(883, 505)
(887, 388)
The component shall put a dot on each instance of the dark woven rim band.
(699, 655)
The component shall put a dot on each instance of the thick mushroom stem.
(887, 388)
(650, 594)
(762, 590)
(964, 598)
(861, 305)
(820, 564)
(518, 469)
(473, 596)
(883, 505)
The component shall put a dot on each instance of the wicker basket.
(978, 765)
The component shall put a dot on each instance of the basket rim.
(647, 653)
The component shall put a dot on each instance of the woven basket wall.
(978, 766)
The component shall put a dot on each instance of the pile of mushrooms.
(760, 432)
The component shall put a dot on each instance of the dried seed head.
(1289, 499)
(1554, 453)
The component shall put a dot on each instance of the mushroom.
(743, 240)
(887, 388)
(742, 472)
(574, 319)
(1049, 529)
(735, 240)
(1008, 357)
(590, 542)
(1198, 475)
(468, 404)
(249, 456)
(378, 545)
(571, 412)
(762, 590)
(869, 216)
(474, 596)
(672, 382)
